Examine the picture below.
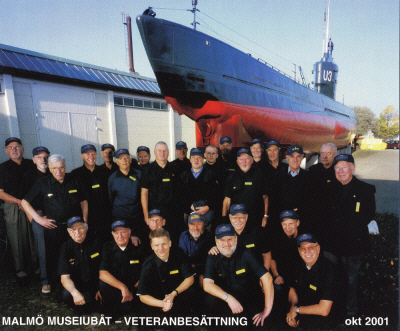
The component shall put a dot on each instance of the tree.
(366, 120)
(388, 124)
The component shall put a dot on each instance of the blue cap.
(87, 148)
(11, 140)
(196, 151)
(196, 217)
(224, 230)
(180, 145)
(244, 151)
(294, 149)
(273, 142)
(306, 237)
(143, 149)
(73, 220)
(238, 209)
(225, 140)
(39, 149)
(121, 151)
(343, 157)
(257, 141)
(104, 146)
(119, 224)
(288, 214)
(155, 212)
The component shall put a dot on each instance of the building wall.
(64, 117)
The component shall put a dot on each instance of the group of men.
(181, 237)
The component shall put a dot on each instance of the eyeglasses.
(155, 220)
(307, 249)
(326, 154)
(61, 169)
(14, 147)
(80, 229)
(212, 154)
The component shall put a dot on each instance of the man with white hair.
(62, 197)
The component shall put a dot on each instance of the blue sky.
(365, 34)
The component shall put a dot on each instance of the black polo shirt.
(230, 163)
(114, 168)
(181, 165)
(255, 240)
(60, 201)
(29, 179)
(248, 188)
(80, 261)
(95, 184)
(239, 274)
(158, 278)
(315, 284)
(161, 184)
(124, 265)
(11, 175)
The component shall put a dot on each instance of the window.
(140, 103)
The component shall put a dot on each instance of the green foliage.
(388, 123)
(366, 120)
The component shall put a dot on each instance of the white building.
(64, 104)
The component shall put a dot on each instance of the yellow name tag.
(95, 186)
(313, 287)
(240, 271)
(50, 194)
(357, 207)
(328, 181)
(94, 255)
(133, 178)
(134, 261)
(248, 183)
(250, 245)
(166, 179)
(72, 191)
(174, 272)
(231, 169)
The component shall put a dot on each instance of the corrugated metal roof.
(18, 60)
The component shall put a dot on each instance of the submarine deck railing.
(281, 72)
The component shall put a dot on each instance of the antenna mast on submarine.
(194, 10)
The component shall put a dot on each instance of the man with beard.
(234, 276)
(228, 158)
(248, 186)
(40, 159)
(195, 242)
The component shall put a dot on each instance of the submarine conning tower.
(326, 73)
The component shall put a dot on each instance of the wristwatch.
(266, 215)
(225, 296)
(297, 310)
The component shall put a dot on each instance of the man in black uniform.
(321, 177)
(78, 266)
(257, 149)
(234, 276)
(62, 197)
(19, 231)
(155, 221)
(166, 278)
(197, 188)
(94, 179)
(181, 163)
(107, 152)
(124, 192)
(228, 158)
(247, 185)
(40, 159)
(351, 208)
(159, 190)
(143, 157)
(312, 294)
(289, 189)
(120, 270)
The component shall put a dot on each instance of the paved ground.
(380, 168)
